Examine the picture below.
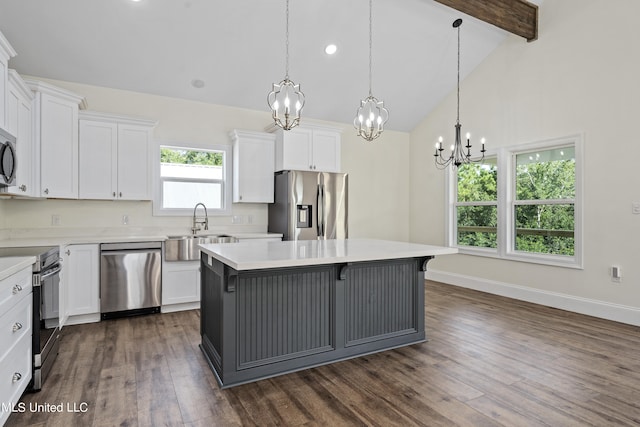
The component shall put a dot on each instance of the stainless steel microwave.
(8, 161)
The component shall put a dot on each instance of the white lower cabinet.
(81, 276)
(16, 303)
(180, 285)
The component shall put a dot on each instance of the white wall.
(182, 120)
(580, 76)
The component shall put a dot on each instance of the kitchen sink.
(185, 247)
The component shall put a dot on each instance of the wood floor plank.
(490, 361)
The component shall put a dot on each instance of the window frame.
(226, 150)
(506, 163)
(453, 211)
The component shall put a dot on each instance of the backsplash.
(35, 218)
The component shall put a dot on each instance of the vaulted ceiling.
(237, 49)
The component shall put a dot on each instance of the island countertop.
(258, 255)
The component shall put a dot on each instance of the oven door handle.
(50, 272)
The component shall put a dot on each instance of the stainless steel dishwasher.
(130, 278)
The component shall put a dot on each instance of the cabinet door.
(98, 151)
(19, 123)
(133, 162)
(81, 269)
(326, 151)
(253, 169)
(180, 282)
(4, 89)
(295, 150)
(58, 147)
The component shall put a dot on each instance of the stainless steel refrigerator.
(310, 205)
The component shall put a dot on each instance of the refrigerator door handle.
(320, 211)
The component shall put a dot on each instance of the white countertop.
(257, 255)
(102, 238)
(12, 265)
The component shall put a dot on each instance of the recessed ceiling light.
(331, 49)
(197, 83)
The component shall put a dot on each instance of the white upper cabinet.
(56, 136)
(312, 148)
(114, 157)
(253, 166)
(6, 53)
(20, 124)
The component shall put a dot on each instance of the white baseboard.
(82, 319)
(590, 307)
(180, 307)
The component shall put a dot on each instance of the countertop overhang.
(260, 255)
(11, 265)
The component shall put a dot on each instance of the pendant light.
(286, 99)
(458, 154)
(371, 116)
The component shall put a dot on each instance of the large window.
(191, 175)
(522, 204)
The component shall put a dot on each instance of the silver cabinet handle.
(46, 191)
(120, 194)
(114, 194)
(68, 252)
(16, 377)
(16, 289)
(17, 326)
(23, 188)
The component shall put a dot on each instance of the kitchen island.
(278, 307)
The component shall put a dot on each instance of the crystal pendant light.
(371, 115)
(286, 99)
(459, 154)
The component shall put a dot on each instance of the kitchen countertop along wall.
(70, 236)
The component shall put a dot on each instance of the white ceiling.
(238, 49)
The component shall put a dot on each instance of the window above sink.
(187, 174)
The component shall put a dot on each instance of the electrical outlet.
(236, 219)
(616, 274)
(635, 208)
(250, 219)
(125, 219)
(55, 219)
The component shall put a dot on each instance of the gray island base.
(277, 307)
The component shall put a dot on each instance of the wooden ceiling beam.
(515, 16)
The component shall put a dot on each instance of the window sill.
(549, 260)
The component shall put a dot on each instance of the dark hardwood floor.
(490, 361)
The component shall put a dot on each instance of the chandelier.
(460, 154)
(286, 99)
(371, 115)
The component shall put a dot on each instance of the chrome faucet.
(198, 222)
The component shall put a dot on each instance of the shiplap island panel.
(270, 308)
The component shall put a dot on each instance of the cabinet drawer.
(15, 324)
(15, 373)
(14, 288)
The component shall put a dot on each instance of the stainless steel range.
(46, 305)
